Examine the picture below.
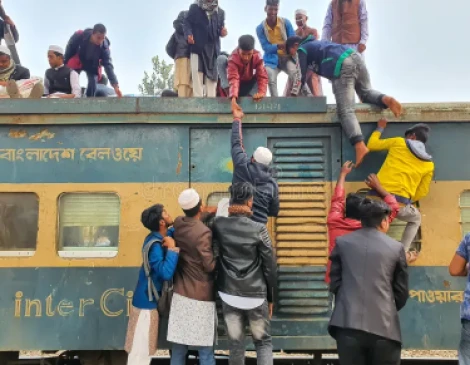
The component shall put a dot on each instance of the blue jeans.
(464, 348)
(178, 355)
(92, 82)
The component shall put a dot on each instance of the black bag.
(171, 46)
(164, 301)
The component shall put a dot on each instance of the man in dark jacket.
(203, 27)
(246, 276)
(178, 49)
(370, 282)
(256, 171)
(87, 51)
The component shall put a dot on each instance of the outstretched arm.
(239, 156)
(373, 182)
(376, 143)
(338, 201)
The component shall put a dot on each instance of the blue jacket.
(163, 263)
(326, 58)
(271, 58)
(266, 199)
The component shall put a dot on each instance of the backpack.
(163, 301)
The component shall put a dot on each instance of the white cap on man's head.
(301, 12)
(5, 50)
(263, 156)
(56, 49)
(189, 199)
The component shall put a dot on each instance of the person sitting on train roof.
(103, 90)
(406, 173)
(272, 34)
(459, 267)
(369, 279)
(256, 171)
(344, 217)
(349, 75)
(60, 81)
(243, 73)
(15, 80)
(246, 277)
(87, 51)
(161, 255)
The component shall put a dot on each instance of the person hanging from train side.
(348, 72)
(406, 173)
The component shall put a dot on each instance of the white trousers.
(139, 354)
(202, 86)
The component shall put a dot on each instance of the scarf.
(208, 5)
(6, 73)
(240, 210)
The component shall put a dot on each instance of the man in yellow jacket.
(406, 173)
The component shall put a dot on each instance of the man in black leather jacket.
(246, 276)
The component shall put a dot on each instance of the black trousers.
(362, 348)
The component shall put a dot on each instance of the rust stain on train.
(17, 134)
(43, 134)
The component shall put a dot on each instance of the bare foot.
(361, 152)
(37, 91)
(12, 90)
(411, 256)
(393, 105)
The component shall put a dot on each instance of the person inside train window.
(256, 171)
(243, 73)
(193, 285)
(15, 80)
(204, 25)
(339, 63)
(60, 81)
(344, 216)
(369, 279)
(459, 267)
(246, 277)
(163, 255)
(406, 173)
(87, 51)
(272, 34)
(347, 23)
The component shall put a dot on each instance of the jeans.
(285, 64)
(354, 79)
(464, 347)
(362, 348)
(247, 88)
(178, 355)
(412, 216)
(260, 326)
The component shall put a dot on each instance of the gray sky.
(418, 49)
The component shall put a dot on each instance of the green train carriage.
(76, 175)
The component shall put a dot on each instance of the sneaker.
(12, 90)
(37, 91)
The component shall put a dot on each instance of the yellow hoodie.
(407, 170)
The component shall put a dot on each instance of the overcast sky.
(418, 50)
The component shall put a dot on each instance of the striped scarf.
(240, 210)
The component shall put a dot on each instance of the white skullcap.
(263, 156)
(188, 199)
(57, 49)
(301, 12)
(5, 50)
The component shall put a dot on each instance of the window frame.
(99, 252)
(461, 208)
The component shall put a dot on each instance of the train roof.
(192, 110)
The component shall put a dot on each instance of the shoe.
(12, 90)
(37, 91)
(361, 152)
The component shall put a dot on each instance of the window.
(89, 225)
(465, 212)
(214, 198)
(19, 214)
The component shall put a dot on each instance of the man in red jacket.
(344, 216)
(243, 73)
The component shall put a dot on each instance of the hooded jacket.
(240, 72)
(408, 169)
(266, 199)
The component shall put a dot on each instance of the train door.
(305, 161)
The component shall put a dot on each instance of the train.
(76, 175)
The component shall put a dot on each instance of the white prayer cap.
(263, 156)
(301, 12)
(56, 49)
(189, 199)
(5, 50)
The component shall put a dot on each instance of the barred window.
(19, 213)
(89, 224)
(465, 212)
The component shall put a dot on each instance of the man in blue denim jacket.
(459, 267)
(142, 332)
